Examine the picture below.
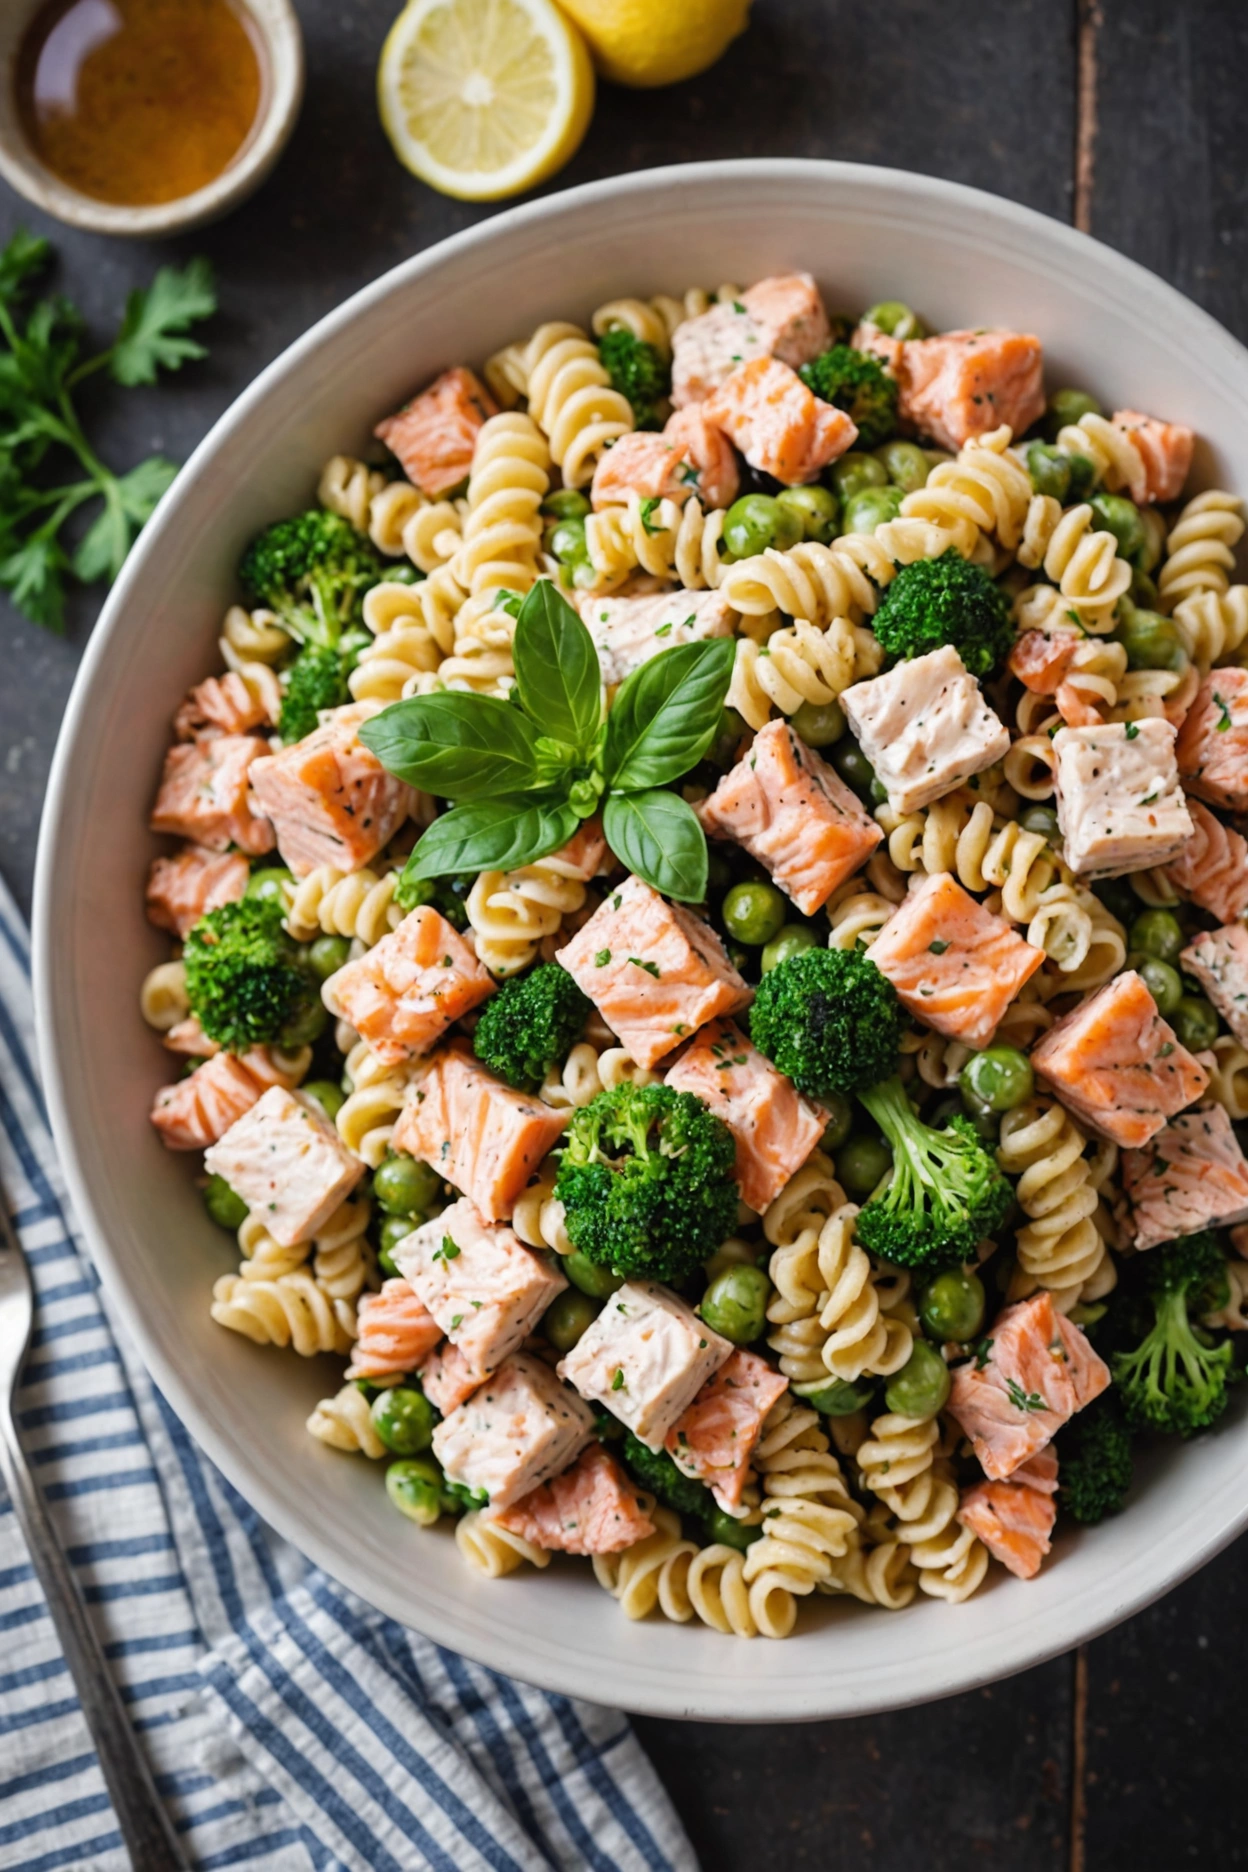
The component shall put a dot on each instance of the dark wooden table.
(1127, 117)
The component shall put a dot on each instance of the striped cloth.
(289, 1726)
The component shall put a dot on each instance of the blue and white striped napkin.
(289, 1726)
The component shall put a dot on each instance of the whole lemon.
(656, 42)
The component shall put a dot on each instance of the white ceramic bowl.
(964, 259)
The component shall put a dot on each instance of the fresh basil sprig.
(522, 774)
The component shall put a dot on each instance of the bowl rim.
(276, 25)
(1022, 1647)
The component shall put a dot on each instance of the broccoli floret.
(1095, 1462)
(244, 978)
(1175, 1380)
(945, 1193)
(312, 571)
(829, 1020)
(317, 679)
(945, 601)
(529, 1024)
(656, 1471)
(647, 1178)
(858, 384)
(637, 371)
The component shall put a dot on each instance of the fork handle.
(145, 1827)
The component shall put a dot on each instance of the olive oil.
(139, 101)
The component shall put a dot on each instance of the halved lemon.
(483, 98)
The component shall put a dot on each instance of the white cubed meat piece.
(1219, 961)
(482, 1285)
(627, 632)
(519, 1429)
(1190, 1176)
(925, 728)
(781, 316)
(287, 1163)
(646, 1357)
(1120, 805)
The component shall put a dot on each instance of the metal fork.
(145, 1827)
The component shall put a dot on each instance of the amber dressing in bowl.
(139, 101)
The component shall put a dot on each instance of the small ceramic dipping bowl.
(277, 29)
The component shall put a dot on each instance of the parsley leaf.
(152, 335)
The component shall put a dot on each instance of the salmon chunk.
(925, 727)
(1191, 1176)
(1165, 451)
(1213, 741)
(781, 317)
(404, 992)
(794, 814)
(1219, 961)
(1039, 1370)
(519, 1429)
(435, 434)
(447, 1377)
(197, 1110)
(222, 705)
(205, 794)
(395, 1333)
(485, 1289)
(1013, 1519)
(591, 1508)
(1212, 868)
(655, 972)
(878, 344)
(954, 964)
(774, 1127)
(1040, 659)
(961, 383)
(476, 1132)
(185, 887)
(780, 426)
(288, 1164)
(330, 799)
(715, 1438)
(645, 1357)
(1119, 802)
(690, 456)
(627, 632)
(1115, 1062)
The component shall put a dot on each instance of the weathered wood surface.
(1129, 1757)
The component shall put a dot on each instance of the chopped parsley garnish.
(449, 1251)
(1024, 1400)
(651, 968)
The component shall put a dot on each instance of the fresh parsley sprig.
(524, 773)
(41, 435)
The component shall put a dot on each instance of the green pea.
(404, 1419)
(567, 1317)
(758, 521)
(402, 1185)
(862, 1163)
(986, 1121)
(729, 1532)
(1083, 477)
(1158, 933)
(791, 941)
(872, 508)
(1123, 519)
(1164, 984)
(953, 1306)
(397, 1228)
(330, 1097)
(1000, 1077)
(837, 1399)
(566, 504)
(905, 464)
(590, 1276)
(307, 1024)
(819, 724)
(1150, 640)
(754, 913)
(566, 539)
(921, 1387)
(856, 472)
(1041, 819)
(327, 955)
(1049, 469)
(735, 1304)
(271, 885)
(1149, 558)
(224, 1205)
(1067, 406)
(415, 1488)
(815, 509)
(1195, 1023)
(840, 1121)
(895, 317)
(853, 766)
(730, 1254)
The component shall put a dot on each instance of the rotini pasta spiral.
(653, 1572)
(1200, 548)
(391, 513)
(827, 1317)
(266, 1259)
(1059, 1247)
(494, 1550)
(480, 660)
(502, 529)
(293, 1310)
(163, 1000)
(345, 1422)
(586, 1072)
(810, 581)
(856, 916)
(1086, 571)
(403, 648)
(571, 399)
(897, 1463)
(347, 488)
(368, 1115)
(1110, 450)
(1228, 1076)
(643, 318)
(512, 911)
(985, 489)
(251, 637)
(359, 904)
(797, 665)
(343, 1260)
(808, 1517)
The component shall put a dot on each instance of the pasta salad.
(709, 952)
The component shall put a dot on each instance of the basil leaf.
(557, 671)
(463, 747)
(658, 837)
(667, 715)
(491, 836)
